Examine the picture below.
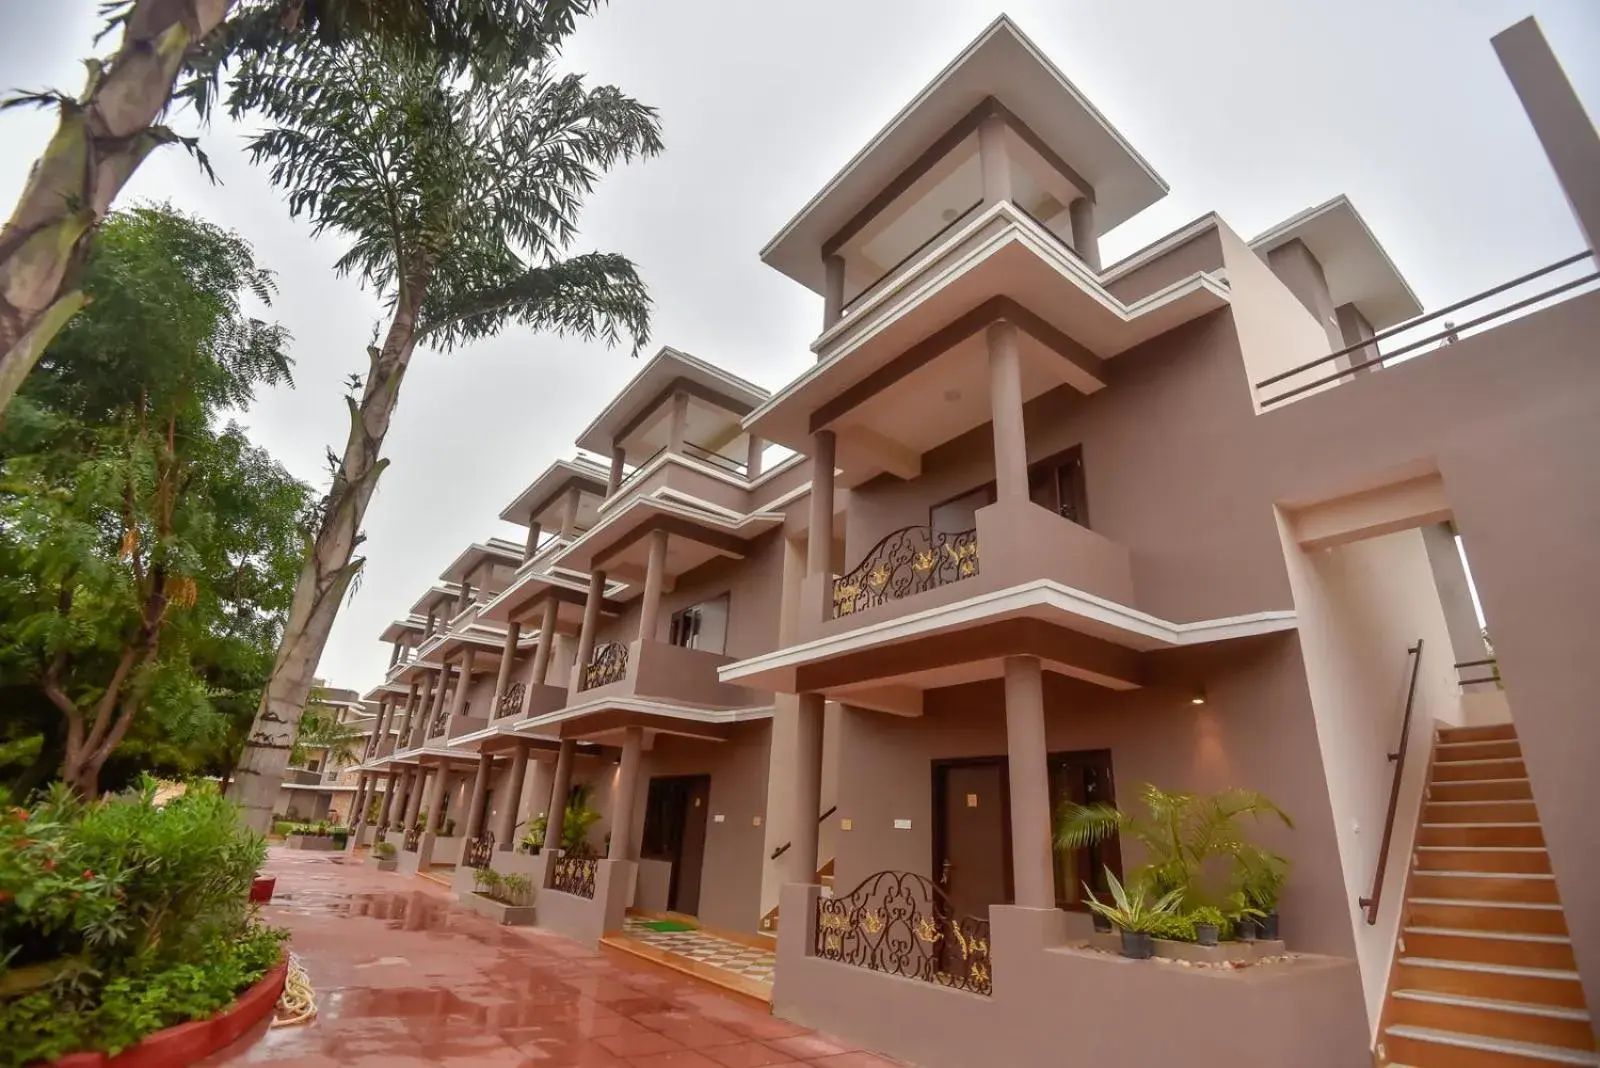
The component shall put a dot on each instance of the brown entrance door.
(971, 835)
(675, 831)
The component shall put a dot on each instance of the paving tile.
(683, 1058)
(747, 1055)
(809, 1046)
(855, 1059)
(638, 1045)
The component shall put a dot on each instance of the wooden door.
(971, 835)
(675, 831)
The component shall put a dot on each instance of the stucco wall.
(1255, 731)
(730, 883)
(1360, 606)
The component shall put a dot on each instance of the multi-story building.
(1044, 529)
(322, 786)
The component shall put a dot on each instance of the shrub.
(384, 850)
(518, 889)
(118, 918)
(487, 881)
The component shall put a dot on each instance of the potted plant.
(1259, 877)
(488, 882)
(1134, 914)
(383, 856)
(533, 841)
(1244, 917)
(517, 889)
(1208, 922)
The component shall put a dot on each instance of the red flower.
(87, 874)
(49, 865)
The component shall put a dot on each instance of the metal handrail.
(781, 850)
(1398, 759)
(1450, 331)
(909, 256)
(1490, 662)
(700, 452)
(640, 466)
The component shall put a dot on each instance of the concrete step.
(1489, 947)
(1531, 860)
(1449, 752)
(1426, 1047)
(1519, 811)
(1479, 835)
(1540, 1024)
(1499, 982)
(1507, 916)
(1498, 732)
(1480, 790)
(1478, 769)
(1484, 886)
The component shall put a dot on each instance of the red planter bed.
(261, 889)
(186, 1043)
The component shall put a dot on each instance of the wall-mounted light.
(1198, 697)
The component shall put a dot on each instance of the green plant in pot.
(518, 889)
(487, 882)
(1243, 916)
(533, 840)
(1259, 876)
(1133, 912)
(1208, 922)
(384, 850)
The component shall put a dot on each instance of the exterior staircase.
(1483, 975)
(769, 922)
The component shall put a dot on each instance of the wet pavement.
(404, 978)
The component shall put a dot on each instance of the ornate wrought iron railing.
(608, 664)
(440, 719)
(900, 923)
(413, 836)
(910, 561)
(511, 700)
(575, 876)
(479, 850)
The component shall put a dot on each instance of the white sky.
(1255, 109)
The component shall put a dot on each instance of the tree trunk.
(327, 572)
(99, 142)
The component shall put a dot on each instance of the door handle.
(944, 873)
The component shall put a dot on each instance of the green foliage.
(118, 918)
(1132, 910)
(518, 889)
(384, 850)
(459, 196)
(487, 881)
(147, 553)
(320, 728)
(1193, 844)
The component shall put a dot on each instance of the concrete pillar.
(414, 797)
(1565, 132)
(650, 604)
(752, 456)
(569, 511)
(387, 812)
(412, 698)
(541, 652)
(819, 539)
(802, 856)
(678, 427)
(1085, 237)
(394, 655)
(1354, 329)
(433, 618)
(1455, 596)
(419, 733)
(623, 846)
(559, 786)
(356, 818)
(1005, 402)
(563, 656)
(458, 706)
(1033, 873)
(1301, 271)
(994, 160)
(480, 788)
(437, 786)
(591, 621)
(619, 456)
(531, 546)
(832, 290)
(508, 657)
(505, 834)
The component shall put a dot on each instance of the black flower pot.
(1269, 927)
(1245, 930)
(1206, 933)
(1101, 924)
(1137, 945)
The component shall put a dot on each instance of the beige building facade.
(795, 665)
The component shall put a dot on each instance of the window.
(1057, 484)
(703, 626)
(960, 514)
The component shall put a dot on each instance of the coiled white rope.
(298, 1002)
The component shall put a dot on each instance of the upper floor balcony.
(557, 506)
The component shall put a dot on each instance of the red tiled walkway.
(405, 979)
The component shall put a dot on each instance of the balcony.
(657, 671)
(908, 562)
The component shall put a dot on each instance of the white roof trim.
(1041, 593)
(690, 713)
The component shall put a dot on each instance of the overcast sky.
(1254, 109)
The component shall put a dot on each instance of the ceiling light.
(1199, 696)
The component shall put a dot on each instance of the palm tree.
(1184, 836)
(319, 728)
(460, 198)
(105, 133)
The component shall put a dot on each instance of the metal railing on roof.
(913, 254)
(1371, 350)
(727, 463)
